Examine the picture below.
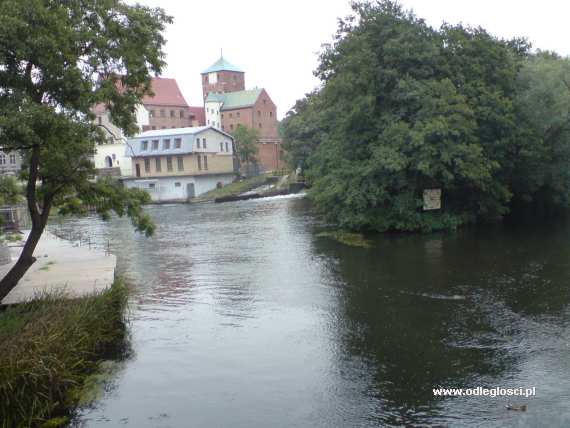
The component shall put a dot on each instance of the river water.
(243, 316)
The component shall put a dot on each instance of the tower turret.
(222, 77)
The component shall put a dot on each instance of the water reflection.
(244, 316)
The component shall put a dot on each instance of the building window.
(151, 185)
(153, 127)
(151, 113)
(2, 159)
(205, 162)
(197, 142)
(260, 124)
(208, 121)
(232, 126)
(177, 143)
(162, 113)
(154, 144)
(231, 115)
(222, 115)
(172, 113)
(199, 162)
(270, 114)
(147, 165)
(180, 160)
(221, 147)
(222, 127)
(13, 159)
(181, 113)
(177, 184)
(169, 163)
(158, 164)
(99, 120)
(166, 144)
(144, 146)
(164, 127)
(238, 114)
(258, 113)
(227, 147)
(264, 101)
(203, 143)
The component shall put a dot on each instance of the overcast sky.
(276, 41)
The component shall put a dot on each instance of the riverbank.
(49, 349)
(233, 189)
(62, 266)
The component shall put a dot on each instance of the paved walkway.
(61, 266)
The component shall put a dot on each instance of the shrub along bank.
(49, 347)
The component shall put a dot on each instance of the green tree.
(302, 130)
(542, 177)
(57, 60)
(10, 191)
(403, 108)
(246, 144)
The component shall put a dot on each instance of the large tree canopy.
(403, 108)
(57, 60)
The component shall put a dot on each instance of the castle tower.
(222, 77)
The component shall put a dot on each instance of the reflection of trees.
(400, 315)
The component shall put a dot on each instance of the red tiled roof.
(199, 114)
(166, 93)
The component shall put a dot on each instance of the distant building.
(227, 104)
(181, 163)
(110, 158)
(222, 77)
(167, 108)
(10, 163)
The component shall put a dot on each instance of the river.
(243, 316)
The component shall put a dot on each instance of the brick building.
(228, 104)
(167, 108)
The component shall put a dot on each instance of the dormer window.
(154, 144)
(144, 146)
(197, 142)
(204, 143)
(166, 145)
(177, 143)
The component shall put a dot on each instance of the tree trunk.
(24, 262)
(39, 221)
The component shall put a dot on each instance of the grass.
(235, 188)
(347, 238)
(50, 350)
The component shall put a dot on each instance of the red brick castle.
(228, 104)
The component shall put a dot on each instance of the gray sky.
(276, 41)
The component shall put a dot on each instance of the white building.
(10, 162)
(112, 158)
(177, 164)
(213, 106)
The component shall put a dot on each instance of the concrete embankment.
(63, 267)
